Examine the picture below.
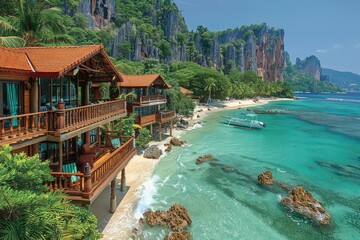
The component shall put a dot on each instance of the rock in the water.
(176, 142)
(266, 178)
(304, 203)
(205, 158)
(168, 147)
(152, 152)
(176, 218)
(182, 124)
(182, 235)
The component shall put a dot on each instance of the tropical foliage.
(305, 83)
(34, 23)
(144, 137)
(29, 211)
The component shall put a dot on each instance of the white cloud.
(321, 50)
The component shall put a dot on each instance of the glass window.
(93, 136)
(10, 100)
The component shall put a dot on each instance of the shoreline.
(139, 171)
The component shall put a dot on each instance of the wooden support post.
(113, 196)
(60, 115)
(171, 126)
(151, 130)
(87, 102)
(60, 156)
(87, 180)
(160, 133)
(123, 181)
(34, 96)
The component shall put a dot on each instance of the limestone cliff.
(99, 13)
(157, 29)
(310, 66)
(257, 48)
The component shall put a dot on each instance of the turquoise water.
(311, 146)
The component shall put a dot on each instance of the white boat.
(248, 120)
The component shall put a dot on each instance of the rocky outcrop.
(310, 66)
(205, 158)
(176, 218)
(152, 152)
(168, 147)
(98, 12)
(176, 142)
(182, 235)
(266, 178)
(304, 203)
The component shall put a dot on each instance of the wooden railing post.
(87, 179)
(60, 115)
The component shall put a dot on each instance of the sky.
(328, 29)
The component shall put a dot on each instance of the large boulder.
(266, 178)
(181, 235)
(176, 218)
(152, 152)
(205, 158)
(168, 147)
(176, 142)
(303, 202)
(182, 124)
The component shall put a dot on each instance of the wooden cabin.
(150, 102)
(46, 109)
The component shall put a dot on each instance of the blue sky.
(328, 29)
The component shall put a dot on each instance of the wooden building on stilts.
(149, 103)
(46, 108)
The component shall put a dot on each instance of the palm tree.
(35, 22)
(209, 87)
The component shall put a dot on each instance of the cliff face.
(98, 12)
(261, 51)
(161, 33)
(310, 66)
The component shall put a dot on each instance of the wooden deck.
(58, 125)
(165, 116)
(143, 100)
(87, 187)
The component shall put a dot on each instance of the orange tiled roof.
(142, 80)
(52, 61)
(12, 60)
(185, 91)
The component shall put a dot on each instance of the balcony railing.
(150, 98)
(19, 127)
(86, 184)
(73, 118)
(24, 124)
(165, 116)
(145, 120)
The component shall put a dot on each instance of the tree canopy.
(28, 210)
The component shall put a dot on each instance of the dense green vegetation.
(305, 83)
(345, 80)
(28, 210)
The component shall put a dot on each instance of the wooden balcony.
(145, 120)
(72, 121)
(142, 100)
(23, 127)
(89, 185)
(166, 116)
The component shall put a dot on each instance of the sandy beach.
(139, 170)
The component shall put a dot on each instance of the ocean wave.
(342, 100)
(197, 125)
(281, 171)
(148, 191)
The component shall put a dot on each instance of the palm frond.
(12, 42)
(55, 40)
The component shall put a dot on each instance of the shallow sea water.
(316, 145)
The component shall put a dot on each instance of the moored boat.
(248, 120)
